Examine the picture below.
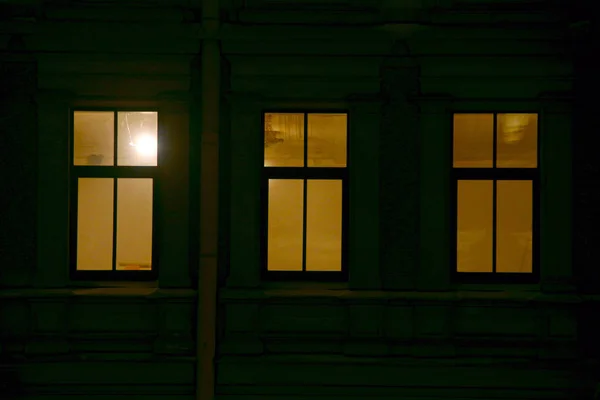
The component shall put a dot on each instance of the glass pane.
(514, 220)
(93, 138)
(474, 226)
(137, 138)
(95, 224)
(473, 140)
(517, 141)
(134, 224)
(327, 140)
(284, 140)
(285, 225)
(324, 225)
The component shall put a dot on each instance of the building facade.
(447, 137)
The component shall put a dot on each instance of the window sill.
(305, 286)
(113, 284)
(116, 291)
(497, 287)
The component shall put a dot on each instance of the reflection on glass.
(284, 140)
(473, 140)
(514, 219)
(134, 224)
(94, 224)
(324, 225)
(517, 141)
(93, 138)
(327, 140)
(474, 226)
(137, 140)
(285, 224)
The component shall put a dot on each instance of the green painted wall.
(400, 327)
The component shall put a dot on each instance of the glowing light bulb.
(146, 145)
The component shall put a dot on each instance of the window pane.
(473, 140)
(327, 140)
(93, 138)
(285, 225)
(474, 225)
(517, 141)
(514, 219)
(324, 225)
(284, 140)
(95, 224)
(137, 138)
(134, 224)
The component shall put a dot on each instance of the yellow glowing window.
(304, 195)
(495, 175)
(114, 162)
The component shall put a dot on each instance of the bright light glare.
(146, 145)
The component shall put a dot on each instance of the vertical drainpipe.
(209, 202)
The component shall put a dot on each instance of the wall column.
(245, 165)
(399, 177)
(18, 169)
(434, 221)
(365, 126)
(556, 273)
(53, 189)
(209, 201)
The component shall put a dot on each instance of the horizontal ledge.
(102, 389)
(395, 362)
(518, 296)
(143, 292)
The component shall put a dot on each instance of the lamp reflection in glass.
(514, 127)
(517, 142)
(145, 145)
(137, 138)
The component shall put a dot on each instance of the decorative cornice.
(51, 96)
(365, 98)
(174, 96)
(556, 96)
(243, 98)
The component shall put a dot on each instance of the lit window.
(495, 175)
(304, 195)
(114, 162)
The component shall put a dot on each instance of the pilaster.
(556, 206)
(434, 214)
(399, 178)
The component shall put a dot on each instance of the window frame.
(305, 173)
(496, 174)
(115, 172)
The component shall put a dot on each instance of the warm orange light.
(146, 145)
